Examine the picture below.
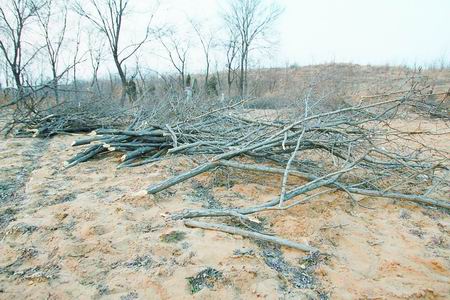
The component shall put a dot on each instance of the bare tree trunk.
(246, 76)
(15, 16)
(123, 80)
(178, 53)
(111, 83)
(249, 20)
(241, 77)
(17, 81)
(55, 83)
(229, 82)
(207, 73)
(6, 73)
(108, 17)
(75, 82)
(75, 59)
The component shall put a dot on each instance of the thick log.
(182, 177)
(136, 153)
(155, 157)
(96, 150)
(89, 140)
(155, 139)
(136, 145)
(81, 154)
(155, 132)
(130, 164)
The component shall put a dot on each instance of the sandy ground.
(84, 233)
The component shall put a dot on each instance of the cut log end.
(141, 193)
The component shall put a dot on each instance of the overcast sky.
(319, 31)
(358, 31)
(366, 31)
(377, 32)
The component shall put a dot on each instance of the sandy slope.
(84, 233)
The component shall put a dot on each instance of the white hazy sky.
(377, 32)
(366, 31)
(358, 31)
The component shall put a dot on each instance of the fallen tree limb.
(250, 234)
(400, 196)
(95, 150)
(182, 177)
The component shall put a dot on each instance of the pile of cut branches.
(52, 124)
(138, 147)
(69, 117)
(435, 104)
(346, 150)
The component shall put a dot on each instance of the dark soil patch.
(64, 199)
(203, 195)
(7, 189)
(299, 277)
(6, 216)
(140, 262)
(205, 279)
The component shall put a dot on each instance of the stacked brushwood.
(53, 124)
(346, 150)
(67, 117)
(435, 104)
(138, 147)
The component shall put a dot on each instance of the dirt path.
(18, 158)
(84, 233)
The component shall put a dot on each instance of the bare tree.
(108, 17)
(54, 38)
(75, 58)
(15, 17)
(250, 19)
(231, 49)
(177, 51)
(96, 48)
(207, 42)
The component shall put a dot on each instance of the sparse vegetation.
(173, 237)
(125, 179)
(204, 279)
